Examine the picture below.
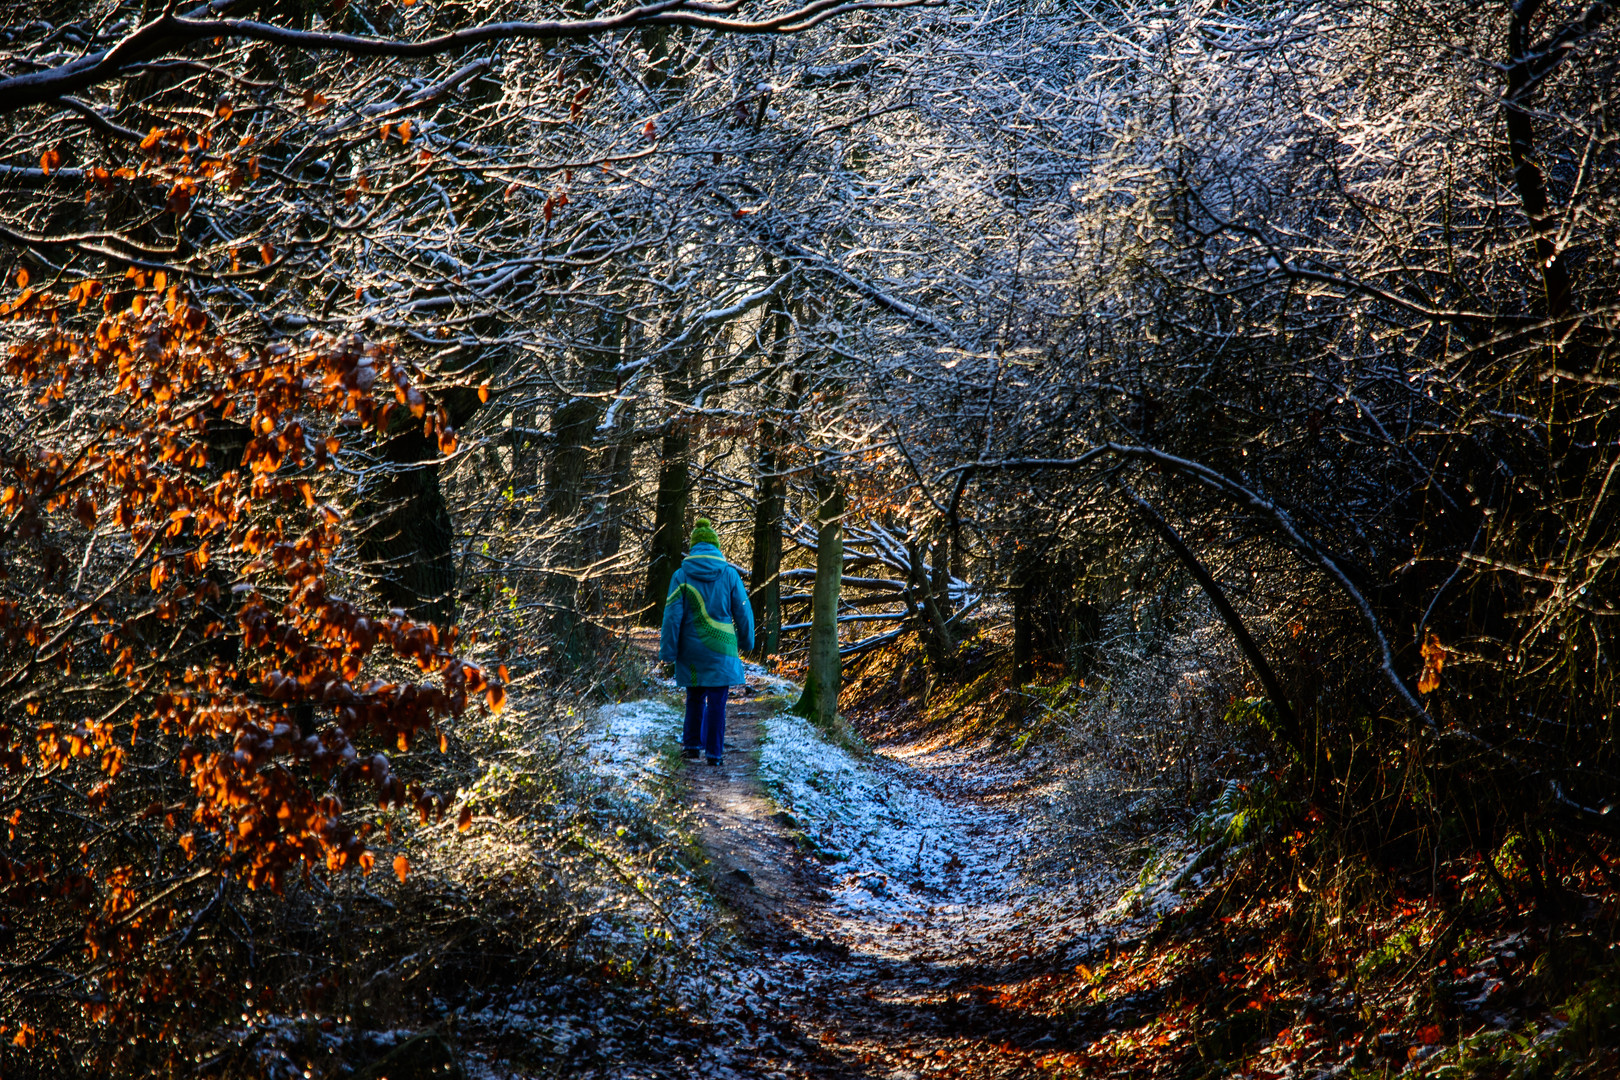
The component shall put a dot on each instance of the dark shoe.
(690, 753)
(714, 761)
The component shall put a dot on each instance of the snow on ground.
(930, 855)
(901, 848)
(625, 738)
(623, 758)
(624, 747)
(761, 681)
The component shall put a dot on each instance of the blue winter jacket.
(705, 618)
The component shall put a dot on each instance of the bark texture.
(819, 702)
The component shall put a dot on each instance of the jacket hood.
(704, 563)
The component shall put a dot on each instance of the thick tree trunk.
(819, 702)
(617, 490)
(567, 481)
(574, 422)
(669, 510)
(941, 580)
(764, 579)
(572, 425)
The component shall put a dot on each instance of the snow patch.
(897, 847)
(762, 681)
(626, 737)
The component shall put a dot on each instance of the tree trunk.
(523, 448)
(669, 509)
(406, 534)
(572, 425)
(567, 481)
(941, 581)
(1023, 634)
(819, 702)
(1527, 174)
(574, 422)
(615, 494)
(764, 579)
(940, 644)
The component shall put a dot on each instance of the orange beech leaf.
(402, 867)
(49, 160)
(22, 277)
(464, 822)
(1434, 659)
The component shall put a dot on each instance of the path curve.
(876, 963)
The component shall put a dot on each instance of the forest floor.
(894, 900)
(904, 905)
(905, 898)
(890, 902)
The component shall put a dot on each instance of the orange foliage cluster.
(179, 160)
(215, 622)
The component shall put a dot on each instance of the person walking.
(706, 617)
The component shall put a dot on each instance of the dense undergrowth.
(564, 925)
(1285, 943)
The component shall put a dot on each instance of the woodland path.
(906, 957)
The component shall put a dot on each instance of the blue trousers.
(705, 719)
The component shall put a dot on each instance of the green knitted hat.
(703, 532)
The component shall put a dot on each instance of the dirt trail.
(878, 962)
(758, 869)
